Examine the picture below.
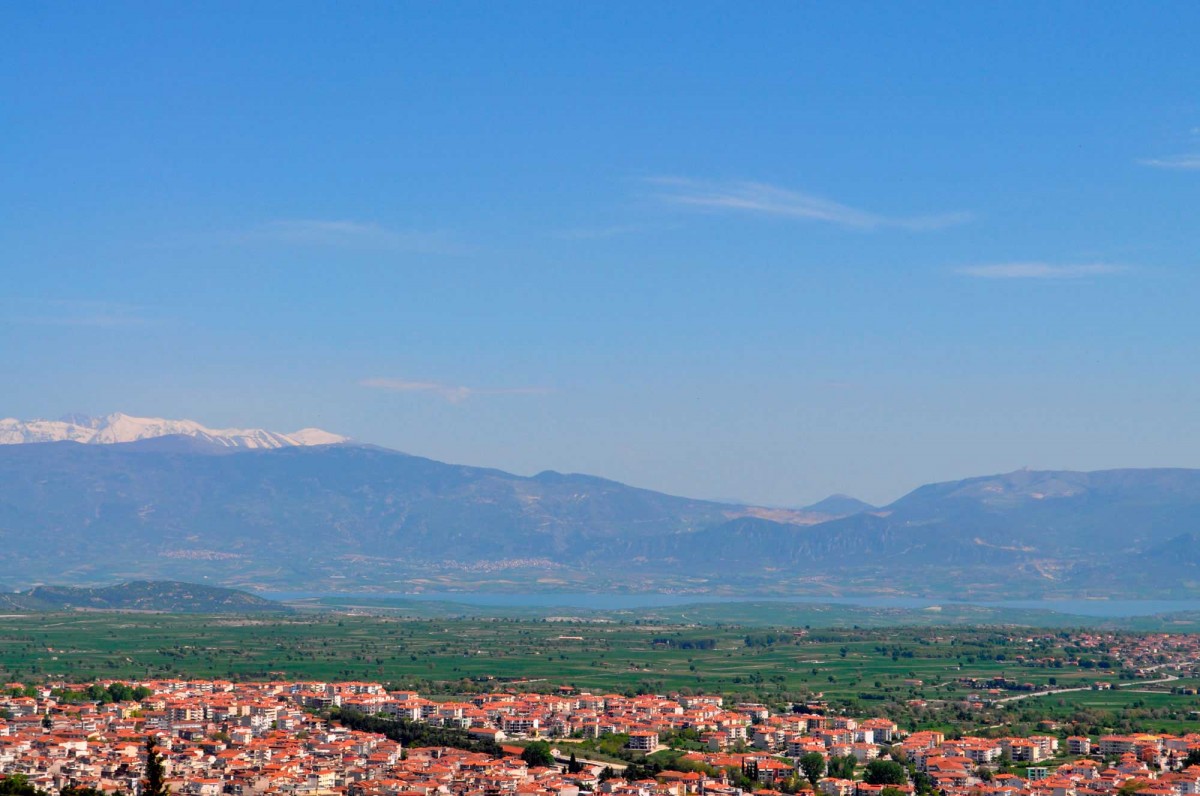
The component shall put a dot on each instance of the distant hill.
(292, 517)
(346, 518)
(839, 506)
(165, 596)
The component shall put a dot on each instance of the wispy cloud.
(1036, 270)
(614, 231)
(75, 312)
(454, 393)
(763, 199)
(352, 234)
(1187, 162)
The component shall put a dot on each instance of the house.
(643, 741)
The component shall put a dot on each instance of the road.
(617, 767)
(563, 748)
(1125, 686)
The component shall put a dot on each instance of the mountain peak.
(316, 436)
(120, 427)
(839, 505)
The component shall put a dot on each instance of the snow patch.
(119, 427)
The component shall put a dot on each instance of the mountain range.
(349, 517)
(159, 596)
(118, 427)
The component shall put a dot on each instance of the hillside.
(344, 518)
(164, 596)
(839, 506)
(294, 516)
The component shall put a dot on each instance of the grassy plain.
(872, 671)
(763, 613)
(593, 655)
(1153, 711)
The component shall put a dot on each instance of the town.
(291, 738)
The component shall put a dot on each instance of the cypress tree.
(153, 784)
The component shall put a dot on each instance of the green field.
(604, 656)
(1159, 711)
(764, 613)
(864, 670)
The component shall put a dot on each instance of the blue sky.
(764, 251)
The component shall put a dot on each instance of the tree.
(842, 767)
(739, 779)
(18, 785)
(573, 765)
(153, 784)
(923, 782)
(648, 769)
(1192, 759)
(1130, 787)
(813, 766)
(885, 772)
(537, 755)
(415, 733)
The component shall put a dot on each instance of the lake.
(627, 601)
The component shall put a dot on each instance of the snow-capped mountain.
(120, 427)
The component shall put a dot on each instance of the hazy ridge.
(353, 517)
